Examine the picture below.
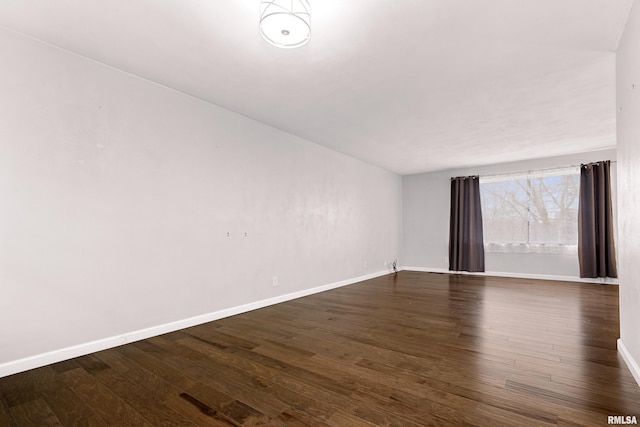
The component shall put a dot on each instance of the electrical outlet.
(446, 260)
(275, 281)
(364, 264)
(386, 263)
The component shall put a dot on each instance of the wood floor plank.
(102, 400)
(305, 391)
(6, 419)
(199, 402)
(35, 412)
(231, 381)
(297, 418)
(412, 349)
(18, 389)
(68, 407)
(138, 398)
(341, 418)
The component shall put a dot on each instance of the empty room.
(320, 213)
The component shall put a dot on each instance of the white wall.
(628, 100)
(117, 195)
(426, 204)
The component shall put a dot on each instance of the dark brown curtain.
(466, 246)
(596, 250)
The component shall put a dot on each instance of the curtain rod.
(540, 170)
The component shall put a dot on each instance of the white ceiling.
(409, 85)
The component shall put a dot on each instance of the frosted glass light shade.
(285, 23)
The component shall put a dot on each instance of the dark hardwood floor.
(414, 349)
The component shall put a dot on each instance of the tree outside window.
(533, 212)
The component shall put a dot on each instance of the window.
(533, 212)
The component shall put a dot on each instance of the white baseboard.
(608, 280)
(631, 363)
(36, 361)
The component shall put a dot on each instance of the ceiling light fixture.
(285, 23)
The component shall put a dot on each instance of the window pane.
(504, 211)
(531, 212)
(554, 211)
